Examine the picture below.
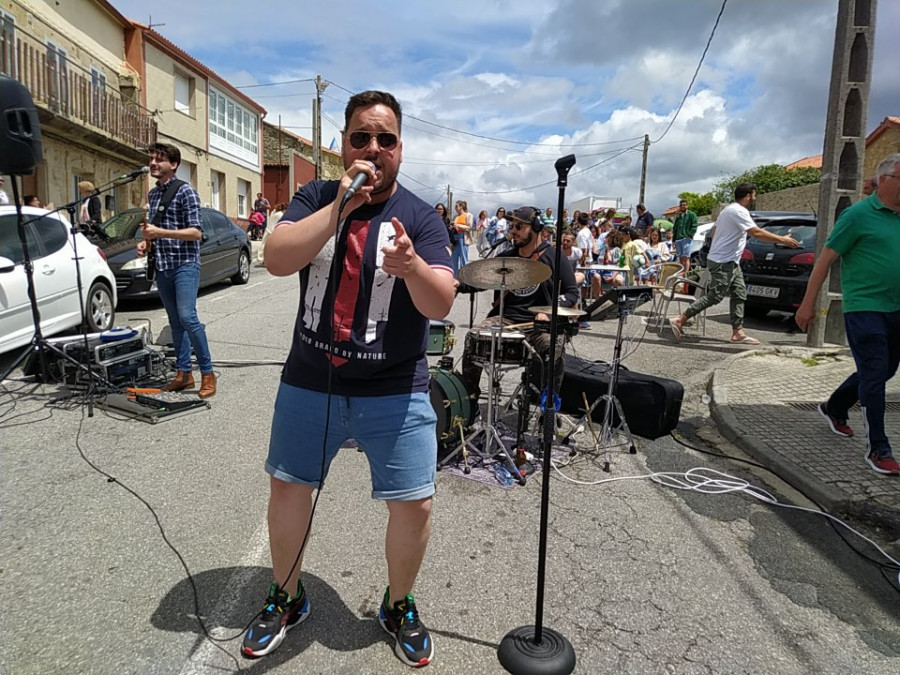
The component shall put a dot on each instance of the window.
(7, 44)
(98, 97)
(243, 195)
(58, 83)
(232, 128)
(184, 90)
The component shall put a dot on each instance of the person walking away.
(865, 239)
(730, 233)
(176, 240)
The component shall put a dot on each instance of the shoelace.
(410, 617)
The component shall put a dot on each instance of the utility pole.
(845, 148)
(317, 125)
(644, 168)
(278, 183)
(449, 201)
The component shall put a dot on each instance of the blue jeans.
(460, 255)
(874, 339)
(178, 292)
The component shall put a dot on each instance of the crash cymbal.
(560, 311)
(504, 272)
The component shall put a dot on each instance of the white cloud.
(583, 72)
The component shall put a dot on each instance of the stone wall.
(804, 198)
(273, 139)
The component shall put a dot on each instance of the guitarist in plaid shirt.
(176, 240)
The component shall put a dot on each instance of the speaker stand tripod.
(614, 423)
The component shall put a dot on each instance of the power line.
(694, 78)
(275, 84)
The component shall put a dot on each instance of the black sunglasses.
(361, 139)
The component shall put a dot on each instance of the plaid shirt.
(183, 212)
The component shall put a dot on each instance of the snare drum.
(452, 403)
(440, 337)
(510, 347)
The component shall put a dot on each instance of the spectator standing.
(91, 213)
(497, 227)
(865, 239)
(462, 225)
(725, 276)
(644, 221)
(683, 233)
(4, 198)
(481, 226)
(548, 219)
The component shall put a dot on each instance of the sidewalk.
(765, 402)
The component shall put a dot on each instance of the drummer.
(525, 226)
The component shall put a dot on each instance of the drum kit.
(493, 348)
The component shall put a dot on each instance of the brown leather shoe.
(184, 379)
(207, 385)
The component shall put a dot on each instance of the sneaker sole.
(278, 639)
(876, 469)
(831, 424)
(398, 650)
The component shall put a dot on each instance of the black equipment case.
(652, 405)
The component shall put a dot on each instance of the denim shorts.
(397, 434)
(683, 247)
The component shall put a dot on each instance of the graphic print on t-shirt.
(349, 284)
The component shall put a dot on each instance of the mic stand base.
(519, 653)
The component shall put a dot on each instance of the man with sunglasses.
(371, 276)
(525, 227)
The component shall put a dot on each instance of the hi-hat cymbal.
(560, 311)
(504, 273)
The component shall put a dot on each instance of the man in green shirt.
(865, 238)
(683, 234)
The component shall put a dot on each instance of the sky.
(495, 91)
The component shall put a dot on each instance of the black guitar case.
(652, 405)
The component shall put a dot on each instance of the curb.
(720, 411)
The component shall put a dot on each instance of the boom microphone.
(359, 180)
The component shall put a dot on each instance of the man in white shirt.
(724, 263)
(583, 238)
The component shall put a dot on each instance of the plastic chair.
(659, 313)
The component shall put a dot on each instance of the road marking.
(202, 662)
(258, 283)
(221, 297)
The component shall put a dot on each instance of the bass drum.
(453, 404)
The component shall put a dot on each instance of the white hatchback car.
(50, 248)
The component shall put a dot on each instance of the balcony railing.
(59, 88)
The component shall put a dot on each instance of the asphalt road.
(641, 577)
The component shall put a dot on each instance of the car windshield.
(805, 233)
(125, 225)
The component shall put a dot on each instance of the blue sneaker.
(278, 616)
(413, 644)
(584, 325)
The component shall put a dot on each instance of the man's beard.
(524, 242)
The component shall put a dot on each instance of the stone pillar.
(845, 141)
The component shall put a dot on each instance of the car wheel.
(99, 311)
(242, 276)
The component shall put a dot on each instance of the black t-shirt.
(379, 337)
(517, 301)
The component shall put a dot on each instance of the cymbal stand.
(612, 409)
(488, 428)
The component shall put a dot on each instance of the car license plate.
(763, 291)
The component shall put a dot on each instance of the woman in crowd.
(462, 224)
(481, 226)
(90, 213)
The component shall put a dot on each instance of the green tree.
(702, 205)
(767, 178)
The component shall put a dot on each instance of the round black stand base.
(521, 655)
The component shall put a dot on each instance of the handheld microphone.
(359, 180)
(135, 174)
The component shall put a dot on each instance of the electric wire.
(696, 72)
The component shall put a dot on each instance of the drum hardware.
(509, 347)
(568, 312)
(501, 274)
(564, 325)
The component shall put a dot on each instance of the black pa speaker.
(20, 129)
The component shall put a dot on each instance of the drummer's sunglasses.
(360, 139)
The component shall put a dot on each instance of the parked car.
(50, 248)
(224, 252)
(776, 275)
(703, 236)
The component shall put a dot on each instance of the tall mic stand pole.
(535, 649)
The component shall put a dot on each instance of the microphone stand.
(536, 650)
